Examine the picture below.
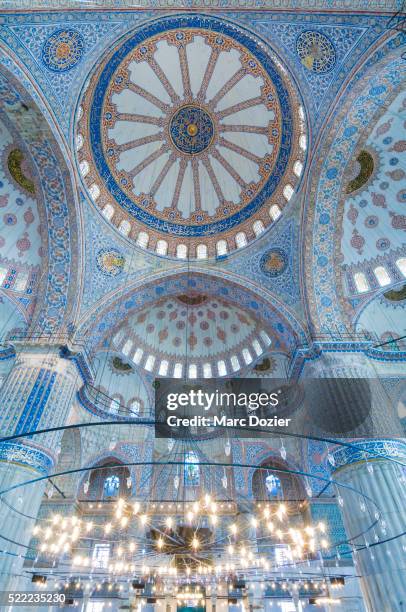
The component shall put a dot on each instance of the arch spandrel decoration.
(328, 305)
(59, 286)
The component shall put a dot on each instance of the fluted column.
(37, 394)
(364, 414)
(382, 566)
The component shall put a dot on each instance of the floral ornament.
(110, 262)
(316, 51)
(63, 50)
(274, 262)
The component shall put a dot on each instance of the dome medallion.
(191, 129)
(193, 138)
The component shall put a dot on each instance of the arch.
(257, 300)
(59, 288)
(291, 485)
(378, 79)
(94, 485)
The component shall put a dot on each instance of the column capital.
(362, 451)
(52, 355)
(27, 456)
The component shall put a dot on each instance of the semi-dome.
(192, 335)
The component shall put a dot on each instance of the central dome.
(192, 133)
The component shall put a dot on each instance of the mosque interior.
(202, 194)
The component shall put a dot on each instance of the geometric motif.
(316, 51)
(191, 129)
(273, 262)
(110, 261)
(63, 50)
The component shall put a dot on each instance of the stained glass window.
(111, 486)
(192, 469)
(273, 485)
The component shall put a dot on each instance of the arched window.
(135, 407)
(192, 370)
(163, 368)
(177, 370)
(161, 247)
(221, 248)
(246, 355)
(240, 240)
(382, 276)
(235, 364)
(192, 469)
(3, 274)
(21, 281)
(142, 240)
(361, 282)
(125, 227)
(288, 192)
(181, 251)
(127, 347)
(258, 227)
(149, 363)
(94, 191)
(221, 368)
(298, 167)
(111, 486)
(274, 212)
(207, 372)
(119, 336)
(273, 485)
(114, 406)
(79, 142)
(138, 356)
(401, 264)
(108, 211)
(84, 168)
(201, 251)
(257, 347)
(303, 142)
(264, 337)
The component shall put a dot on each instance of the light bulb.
(176, 482)
(195, 543)
(283, 452)
(331, 460)
(129, 482)
(227, 448)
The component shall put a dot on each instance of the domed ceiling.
(194, 135)
(21, 240)
(206, 335)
